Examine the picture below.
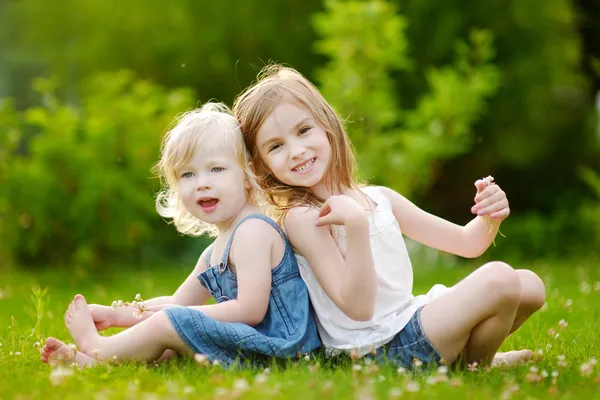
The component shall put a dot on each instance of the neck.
(230, 224)
(323, 191)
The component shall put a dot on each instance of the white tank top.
(395, 303)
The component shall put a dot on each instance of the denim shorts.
(408, 346)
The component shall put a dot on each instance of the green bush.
(397, 147)
(78, 188)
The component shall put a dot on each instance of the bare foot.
(81, 325)
(56, 352)
(512, 358)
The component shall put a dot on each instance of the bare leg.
(476, 316)
(56, 352)
(533, 296)
(146, 341)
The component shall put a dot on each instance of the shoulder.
(389, 194)
(256, 230)
(300, 218)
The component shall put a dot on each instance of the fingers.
(488, 191)
(489, 199)
(502, 214)
(480, 185)
(325, 209)
(494, 208)
(326, 220)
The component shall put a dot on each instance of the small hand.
(102, 316)
(490, 200)
(340, 210)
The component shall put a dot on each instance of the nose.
(203, 183)
(296, 149)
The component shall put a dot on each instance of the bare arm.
(468, 241)
(351, 283)
(251, 253)
(190, 292)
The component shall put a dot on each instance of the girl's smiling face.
(294, 147)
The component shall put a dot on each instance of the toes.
(79, 302)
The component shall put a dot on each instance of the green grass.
(32, 306)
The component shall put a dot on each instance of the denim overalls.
(289, 326)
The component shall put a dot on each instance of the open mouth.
(208, 204)
(306, 166)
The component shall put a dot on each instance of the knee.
(502, 284)
(533, 291)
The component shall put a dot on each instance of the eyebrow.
(294, 128)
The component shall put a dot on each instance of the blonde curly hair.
(190, 131)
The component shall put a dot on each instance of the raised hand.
(490, 200)
(341, 210)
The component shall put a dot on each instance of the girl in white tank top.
(350, 245)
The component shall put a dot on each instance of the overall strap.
(208, 254)
(223, 264)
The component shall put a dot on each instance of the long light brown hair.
(276, 84)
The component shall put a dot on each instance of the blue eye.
(187, 175)
(217, 169)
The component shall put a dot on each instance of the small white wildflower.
(36, 344)
(544, 373)
(473, 366)
(554, 374)
(395, 393)
(73, 346)
(556, 336)
(241, 385)
(585, 287)
(59, 374)
(540, 352)
(533, 369)
(586, 369)
(307, 357)
(597, 286)
(260, 378)
(356, 367)
(216, 363)
(188, 390)
(266, 370)
(138, 297)
(412, 386)
(569, 303)
(563, 324)
(593, 362)
(443, 370)
(417, 363)
(401, 371)
(17, 353)
(201, 359)
(431, 380)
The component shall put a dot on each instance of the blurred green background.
(436, 94)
